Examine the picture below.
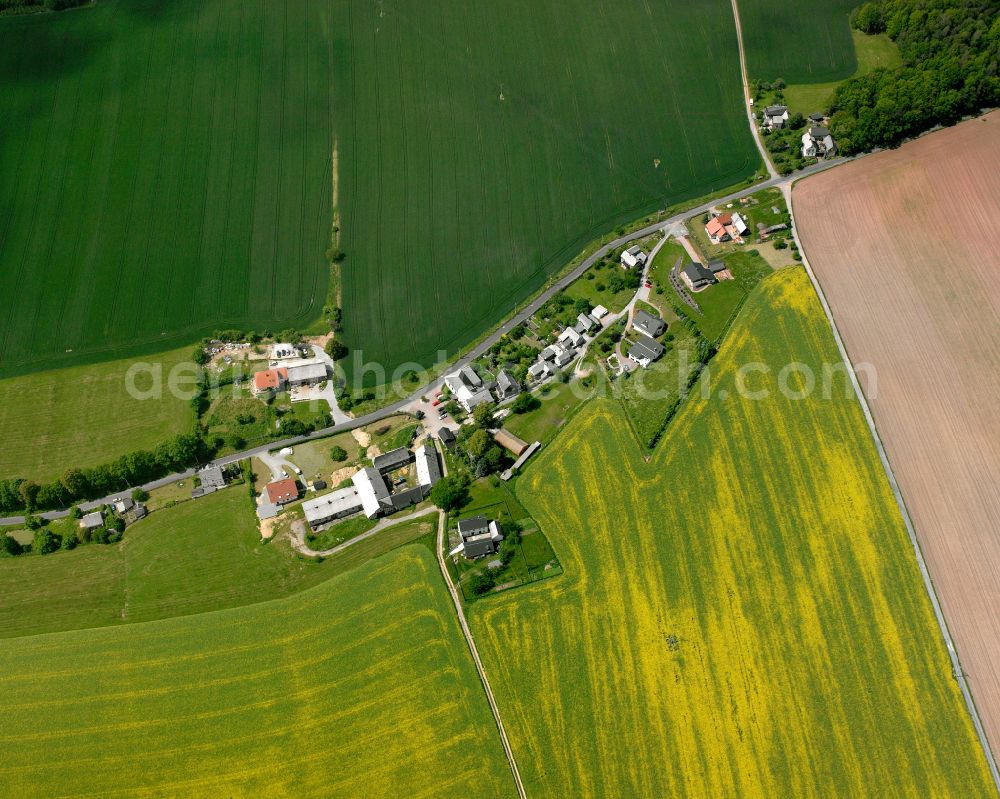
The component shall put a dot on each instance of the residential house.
(480, 537)
(281, 492)
(564, 357)
(467, 388)
(570, 338)
(817, 118)
(599, 312)
(697, 276)
(268, 381)
(585, 323)
(647, 324)
(716, 230)
(818, 143)
(506, 386)
(549, 353)
(123, 505)
(539, 370)
(210, 480)
(327, 508)
(645, 351)
(775, 117)
(92, 521)
(633, 256)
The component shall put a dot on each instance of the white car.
(284, 474)
(297, 470)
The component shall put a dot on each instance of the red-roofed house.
(716, 230)
(726, 218)
(281, 492)
(269, 380)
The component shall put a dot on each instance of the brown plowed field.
(906, 245)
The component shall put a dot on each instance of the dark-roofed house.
(212, 477)
(446, 437)
(717, 266)
(817, 142)
(507, 387)
(281, 492)
(775, 116)
(428, 467)
(817, 117)
(647, 324)
(697, 276)
(392, 460)
(92, 520)
(480, 537)
(645, 351)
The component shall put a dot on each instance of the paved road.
(476, 352)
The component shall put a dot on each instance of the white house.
(467, 388)
(599, 312)
(539, 370)
(569, 337)
(775, 116)
(633, 256)
(564, 357)
(818, 143)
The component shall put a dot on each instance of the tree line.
(35, 6)
(951, 68)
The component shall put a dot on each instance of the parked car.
(284, 474)
(297, 470)
(435, 403)
(649, 285)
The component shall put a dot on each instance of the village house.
(480, 536)
(647, 324)
(380, 496)
(585, 323)
(506, 386)
(570, 338)
(775, 117)
(697, 277)
(281, 492)
(539, 370)
(268, 381)
(210, 480)
(92, 521)
(467, 388)
(818, 143)
(633, 256)
(645, 350)
(726, 227)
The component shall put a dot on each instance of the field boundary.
(957, 672)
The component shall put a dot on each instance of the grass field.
(473, 166)
(360, 686)
(199, 196)
(931, 350)
(84, 416)
(742, 602)
(873, 52)
(806, 41)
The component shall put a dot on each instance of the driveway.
(330, 392)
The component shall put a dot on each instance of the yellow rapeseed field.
(742, 615)
(359, 687)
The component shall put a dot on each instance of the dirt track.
(905, 246)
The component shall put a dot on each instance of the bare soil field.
(904, 245)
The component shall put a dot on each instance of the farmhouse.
(716, 230)
(633, 256)
(726, 227)
(281, 492)
(428, 467)
(817, 142)
(645, 351)
(697, 277)
(467, 388)
(480, 537)
(775, 116)
(211, 479)
(392, 460)
(647, 324)
(375, 489)
(506, 387)
(333, 506)
(269, 380)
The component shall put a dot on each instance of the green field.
(167, 172)
(362, 686)
(83, 416)
(873, 52)
(740, 615)
(481, 146)
(806, 41)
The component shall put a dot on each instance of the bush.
(338, 454)
(482, 583)
(140, 495)
(10, 545)
(45, 541)
(451, 492)
(335, 349)
(868, 19)
(525, 402)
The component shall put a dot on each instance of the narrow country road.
(442, 520)
(476, 352)
(299, 544)
(747, 98)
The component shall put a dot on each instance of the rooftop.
(338, 503)
(392, 460)
(281, 491)
(646, 348)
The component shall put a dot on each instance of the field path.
(746, 96)
(299, 543)
(442, 522)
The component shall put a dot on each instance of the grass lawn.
(313, 458)
(732, 605)
(84, 416)
(593, 287)
(340, 532)
(873, 52)
(200, 196)
(718, 303)
(559, 401)
(360, 686)
(801, 42)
